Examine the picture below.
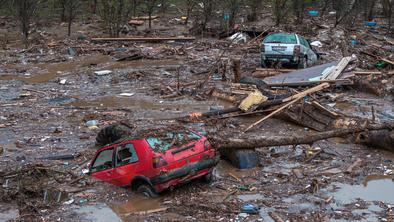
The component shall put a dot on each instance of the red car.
(154, 164)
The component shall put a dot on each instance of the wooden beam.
(308, 83)
(333, 75)
(144, 39)
(307, 92)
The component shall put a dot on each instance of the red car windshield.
(281, 38)
(171, 140)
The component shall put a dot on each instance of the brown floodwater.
(137, 204)
(49, 71)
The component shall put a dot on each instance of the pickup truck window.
(281, 38)
(303, 41)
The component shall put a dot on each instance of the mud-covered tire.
(146, 190)
(112, 133)
(303, 63)
(208, 178)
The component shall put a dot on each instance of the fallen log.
(144, 39)
(252, 142)
(377, 138)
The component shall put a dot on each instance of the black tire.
(265, 64)
(111, 134)
(146, 190)
(208, 178)
(303, 63)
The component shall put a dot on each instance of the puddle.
(97, 213)
(374, 188)
(136, 204)
(224, 168)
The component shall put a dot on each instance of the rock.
(1, 150)
(241, 158)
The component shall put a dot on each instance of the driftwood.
(252, 142)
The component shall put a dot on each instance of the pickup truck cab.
(154, 163)
(287, 48)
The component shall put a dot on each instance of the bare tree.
(93, 6)
(388, 11)
(62, 4)
(207, 12)
(113, 13)
(72, 7)
(233, 7)
(298, 10)
(24, 11)
(255, 6)
(280, 8)
(149, 8)
(189, 6)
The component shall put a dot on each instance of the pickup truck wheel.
(146, 190)
(303, 63)
(265, 64)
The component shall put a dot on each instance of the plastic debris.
(250, 209)
(317, 44)
(239, 37)
(92, 123)
(103, 72)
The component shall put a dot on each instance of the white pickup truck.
(287, 48)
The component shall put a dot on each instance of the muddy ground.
(47, 95)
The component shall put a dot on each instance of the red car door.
(102, 167)
(127, 164)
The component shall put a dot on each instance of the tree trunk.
(227, 142)
(69, 26)
(150, 19)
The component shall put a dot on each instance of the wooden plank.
(387, 61)
(307, 92)
(367, 73)
(276, 70)
(338, 69)
(321, 107)
(293, 99)
(144, 39)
